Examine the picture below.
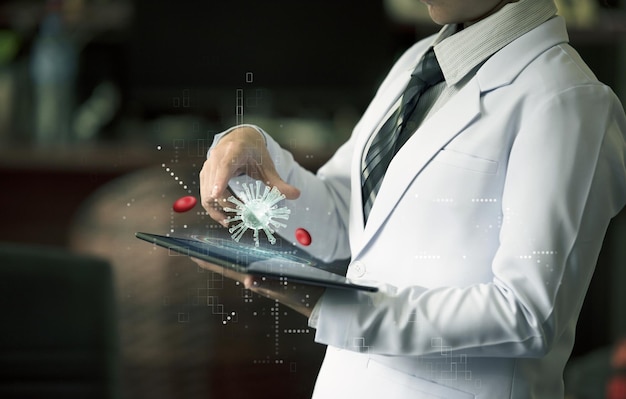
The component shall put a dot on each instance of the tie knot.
(428, 70)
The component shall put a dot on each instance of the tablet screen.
(274, 262)
(240, 253)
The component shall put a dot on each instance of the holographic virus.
(256, 210)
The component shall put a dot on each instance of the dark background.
(176, 67)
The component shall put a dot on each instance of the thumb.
(249, 282)
(273, 180)
(290, 192)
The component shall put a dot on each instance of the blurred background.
(107, 108)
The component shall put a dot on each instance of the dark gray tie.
(394, 132)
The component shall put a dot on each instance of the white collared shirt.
(460, 54)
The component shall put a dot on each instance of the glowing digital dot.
(256, 211)
(184, 204)
(303, 236)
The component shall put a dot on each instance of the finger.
(290, 192)
(255, 161)
(223, 169)
(208, 266)
(205, 185)
(216, 210)
(220, 167)
(213, 204)
(268, 288)
(228, 273)
(301, 298)
(272, 179)
(249, 282)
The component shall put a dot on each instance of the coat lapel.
(425, 143)
(440, 128)
(371, 120)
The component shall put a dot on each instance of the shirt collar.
(460, 52)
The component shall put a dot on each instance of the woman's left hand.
(299, 297)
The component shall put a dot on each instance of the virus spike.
(238, 231)
(263, 196)
(270, 236)
(233, 219)
(235, 201)
(257, 210)
(249, 194)
(258, 188)
(274, 196)
(256, 238)
(277, 224)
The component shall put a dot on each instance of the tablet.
(277, 263)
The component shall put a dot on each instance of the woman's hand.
(299, 297)
(241, 151)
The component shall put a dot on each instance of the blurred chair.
(58, 334)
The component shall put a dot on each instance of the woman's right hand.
(241, 151)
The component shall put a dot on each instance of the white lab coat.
(483, 237)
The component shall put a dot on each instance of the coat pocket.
(401, 385)
(467, 161)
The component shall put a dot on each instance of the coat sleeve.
(323, 206)
(565, 180)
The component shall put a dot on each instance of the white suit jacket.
(484, 234)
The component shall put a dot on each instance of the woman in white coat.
(486, 229)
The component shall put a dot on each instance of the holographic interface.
(256, 210)
(250, 253)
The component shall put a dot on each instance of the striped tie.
(392, 134)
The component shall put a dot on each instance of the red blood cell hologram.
(303, 236)
(184, 204)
